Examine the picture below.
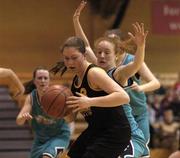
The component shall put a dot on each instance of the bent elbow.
(9, 72)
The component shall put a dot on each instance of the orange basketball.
(54, 101)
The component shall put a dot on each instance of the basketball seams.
(49, 91)
(54, 101)
(65, 97)
(59, 116)
(59, 93)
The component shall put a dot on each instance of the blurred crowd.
(164, 115)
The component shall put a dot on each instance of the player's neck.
(83, 70)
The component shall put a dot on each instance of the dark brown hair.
(29, 85)
(74, 42)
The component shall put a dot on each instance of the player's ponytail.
(59, 67)
(29, 86)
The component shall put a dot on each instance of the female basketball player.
(9, 78)
(106, 53)
(137, 95)
(98, 98)
(51, 136)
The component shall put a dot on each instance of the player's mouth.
(101, 62)
(72, 68)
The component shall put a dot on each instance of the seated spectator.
(157, 107)
(167, 131)
(166, 101)
(175, 105)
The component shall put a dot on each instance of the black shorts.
(100, 144)
(128, 152)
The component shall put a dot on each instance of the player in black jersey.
(106, 54)
(98, 98)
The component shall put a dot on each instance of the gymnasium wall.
(32, 31)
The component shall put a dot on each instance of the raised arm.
(80, 33)
(12, 81)
(123, 72)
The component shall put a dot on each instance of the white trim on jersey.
(147, 156)
(48, 154)
(59, 148)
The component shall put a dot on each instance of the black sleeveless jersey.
(99, 117)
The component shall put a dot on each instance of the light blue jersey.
(137, 136)
(139, 105)
(51, 136)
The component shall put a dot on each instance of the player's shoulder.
(97, 70)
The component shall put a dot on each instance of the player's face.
(73, 59)
(41, 80)
(105, 55)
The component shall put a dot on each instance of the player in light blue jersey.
(51, 136)
(137, 92)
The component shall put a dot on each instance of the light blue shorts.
(51, 148)
(143, 123)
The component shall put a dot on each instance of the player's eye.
(45, 78)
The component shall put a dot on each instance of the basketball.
(53, 101)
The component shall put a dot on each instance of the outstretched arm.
(152, 82)
(124, 72)
(12, 81)
(80, 33)
(24, 114)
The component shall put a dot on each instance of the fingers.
(142, 27)
(139, 28)
(131, 87)
(74, 105)
(71, 98)
(26, 116)
(146, 33)
(139, 35)
(71, 102)
(80, 8)
(131, 36)
(82, 5)
(78, 102)
(80, 94)
(136, 27)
